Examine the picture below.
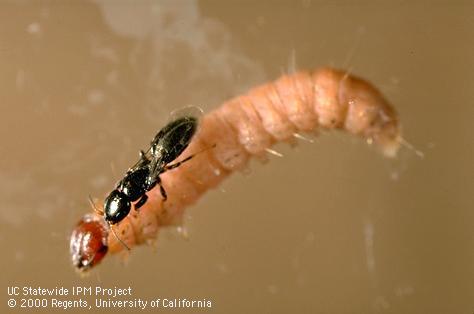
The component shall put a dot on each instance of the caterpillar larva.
(243, 127)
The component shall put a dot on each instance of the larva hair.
(249, 125)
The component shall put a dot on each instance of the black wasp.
(165, 147)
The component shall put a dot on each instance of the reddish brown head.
(89, 242)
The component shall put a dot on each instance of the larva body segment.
(261, 139)
(145, 225)
(296, 94)
(273, 121)
(246, 126)
(330, 110)
(205, 175)
(241, 114)
(219, 131)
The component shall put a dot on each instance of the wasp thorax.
(134, 184)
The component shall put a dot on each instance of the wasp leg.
(179, 163)
(163, 191)
(141, 202)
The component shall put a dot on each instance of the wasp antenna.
(120, 240)
(97, 210)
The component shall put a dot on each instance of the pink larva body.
(248, 125)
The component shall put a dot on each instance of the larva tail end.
(390, 149)
(388, 141)
(368, 113)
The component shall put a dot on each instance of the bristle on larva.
(247, 126)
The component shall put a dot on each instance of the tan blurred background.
(333, 227)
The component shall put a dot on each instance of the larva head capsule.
(88, 243)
